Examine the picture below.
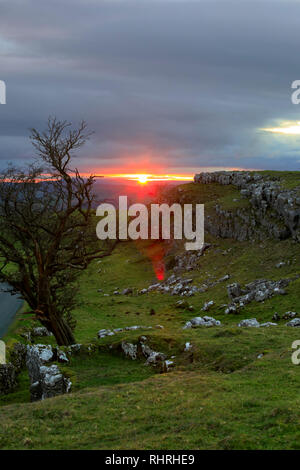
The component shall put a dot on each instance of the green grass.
(219, 396)
(287, 179)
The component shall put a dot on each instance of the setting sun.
(142, 178)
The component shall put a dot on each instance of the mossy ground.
(219, 396)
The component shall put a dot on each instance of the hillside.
(229, 388)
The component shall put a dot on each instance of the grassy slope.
(220, 396)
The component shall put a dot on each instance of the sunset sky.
(168, 87)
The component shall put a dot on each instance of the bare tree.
(47, 228)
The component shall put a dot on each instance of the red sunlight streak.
(155, 251)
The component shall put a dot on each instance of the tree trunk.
(49, 316)
(61, 330)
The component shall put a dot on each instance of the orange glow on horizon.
(148, 177)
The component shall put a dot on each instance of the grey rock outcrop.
(174, 285)
(272, 209)
(129, 349)
(258, 291)
(45, 381)
(143, 350)
(188, 261)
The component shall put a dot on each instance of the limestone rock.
(258, 290)
(249, 323)
(295, 322)
(289, 315)
(129, 349)
(46, 381)
(41, 331)
(207, 305)
(271, 208)
(127, 291)
(201, 321)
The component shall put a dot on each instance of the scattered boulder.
(155, 358)
(276, 317)
(207, 305)
(289, 315)
(102, 333)
(61, 356)
(167, 365)
(174, 286)
(137, 327)
(234, 290)
(107, 332)
(224, 278)
(188, 261)
(249, 323)
(231, 309)
(142, 349)
(41, 331)
(295, 322)
(127, 291)
(143, 291)
(253, 323)
(201, 321)
(187, 347)
(258, 290)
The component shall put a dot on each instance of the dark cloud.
(181, 84)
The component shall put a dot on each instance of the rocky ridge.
(274, 210)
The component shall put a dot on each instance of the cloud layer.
(169, 85)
